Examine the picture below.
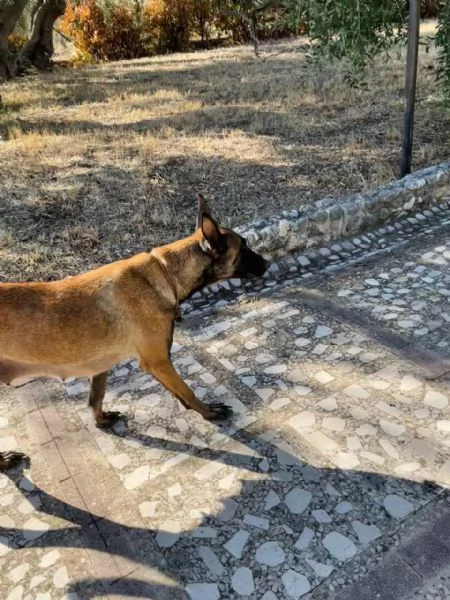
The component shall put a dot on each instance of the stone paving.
(340, 436)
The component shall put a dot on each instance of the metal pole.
(410, 85)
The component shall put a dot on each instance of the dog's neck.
(185, 266)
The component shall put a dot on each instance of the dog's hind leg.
(163, 370)
(103, 420)
(10, 459)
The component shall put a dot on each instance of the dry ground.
(104, 161)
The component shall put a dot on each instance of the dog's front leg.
(103, 420)
(163, 370)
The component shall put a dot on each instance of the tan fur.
(83, 325)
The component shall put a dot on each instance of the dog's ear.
(213, 240)
(203, 209)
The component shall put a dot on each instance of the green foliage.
(354, 30)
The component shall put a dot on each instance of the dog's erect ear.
(203, 209)
(213, 239)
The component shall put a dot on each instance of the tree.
(357, 30)
(10, 12)
(38, 50)
(248, 12)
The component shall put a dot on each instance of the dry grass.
(104, 161)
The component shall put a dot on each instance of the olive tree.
(38, 50)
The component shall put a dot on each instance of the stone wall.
(333, 219)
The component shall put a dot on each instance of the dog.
(82, 326)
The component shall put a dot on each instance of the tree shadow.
(322, 488)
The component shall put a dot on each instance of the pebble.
(365, 533)
(211, 561)
(320, 569)
(305, 539)
(242, 581)
(295, 584)
(203, 591)
(168, 533)
(339, 546)
(137, 477)
(236, 544)
(297, 500)
(61, 577)
(344, 507)
(435, 399)
(397, 507)
(270, 554)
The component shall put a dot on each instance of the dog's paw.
(9, 460)
(218, 411)
(108, 419)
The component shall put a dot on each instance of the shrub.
(106, 30)
(169, 24)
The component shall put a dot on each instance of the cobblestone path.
(339, 444)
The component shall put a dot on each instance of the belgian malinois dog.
(83, 325)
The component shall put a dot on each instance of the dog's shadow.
(174, 565)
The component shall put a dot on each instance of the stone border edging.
(298, 242)
(333, 219)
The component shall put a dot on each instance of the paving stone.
(203, 591)
(137, 478)
(323, 377)
(297, 500)
(305, 539)
(323, 331)
(304, 420)
(255, 521)
(168, 533)
(322, 442)
(329, 403)
(333, 424)
(321, 516)
(148, 509)
(346, 460)
(320, 569)
(272, 499)
(339, 546)
(49, 559)
(366, 430)
(269, 596)
(17, 574)
(211, 561)
(61, 577)
(295, 584)
(356, 391)
(344, 507)
(242, 581)
(119, 461)
(435, 399)
(270, 554)
(397, 507)
(389, 448)
(393, 429)
(34, 528)
(236, 544)
(365, 533)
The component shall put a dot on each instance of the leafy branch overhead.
(353, 31)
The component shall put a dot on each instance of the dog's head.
(231, 255)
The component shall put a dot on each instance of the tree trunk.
(39, 49)
(10, 11)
